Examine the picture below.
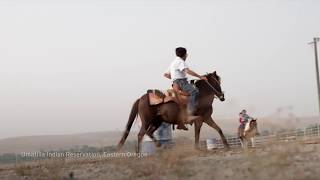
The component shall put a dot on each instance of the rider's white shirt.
(177, 69)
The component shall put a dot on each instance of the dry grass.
(294, 160)
(46, 169)
(23, 170)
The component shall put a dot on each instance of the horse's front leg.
(252, 142)
(245, 142)
(197, 127)
(241, 142)
(212, 124)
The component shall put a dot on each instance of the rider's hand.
(203, 78)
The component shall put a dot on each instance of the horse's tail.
(132, 117)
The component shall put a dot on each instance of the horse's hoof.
(182, 127)
(197, 148)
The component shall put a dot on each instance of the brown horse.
(152, 116)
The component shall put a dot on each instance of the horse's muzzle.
(221, 97)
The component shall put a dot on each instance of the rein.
(213, 88)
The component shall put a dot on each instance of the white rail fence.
(265, 138)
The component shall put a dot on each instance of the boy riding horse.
(177, 72)
(243, 119)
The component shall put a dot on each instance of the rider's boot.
(181, 123)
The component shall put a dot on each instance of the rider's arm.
(249, 117)
(167, 75)
(192, 73)
(242, 119)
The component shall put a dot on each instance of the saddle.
(176, 95)
(158, 97)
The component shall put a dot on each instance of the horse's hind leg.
(212, 124)
(145, 118)
(141, 133)
(150, 132)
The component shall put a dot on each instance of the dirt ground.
(298, 160)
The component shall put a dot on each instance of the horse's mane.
(208, 75)
(215, 75)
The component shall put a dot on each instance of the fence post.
(16, 160)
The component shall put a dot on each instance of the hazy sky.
(77, 66)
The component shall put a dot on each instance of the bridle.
(217, 93)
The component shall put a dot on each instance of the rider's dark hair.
(181, 52)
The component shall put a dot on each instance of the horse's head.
(253, 123)
(215, 83)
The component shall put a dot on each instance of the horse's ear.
(214, 72)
